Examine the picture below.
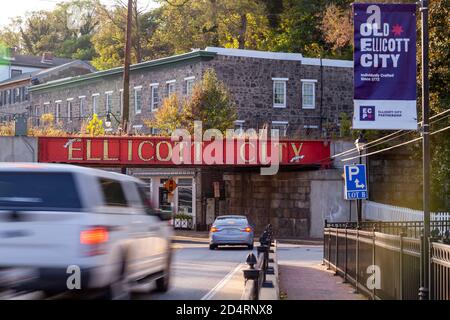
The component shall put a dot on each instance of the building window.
(154, 99)
(15, 72)
(69, 110)
(185, 196)
(8, 96)
(170, 88)
(46, 107)
(138, 100)
(279, 92)
(309, 94)
(281, 127)
(82, 106)
(57, 110)
(17, 95)
(239, 127)
(108, 101)
(95, 103)
(36, 116)
(189, 86)
(121, 102)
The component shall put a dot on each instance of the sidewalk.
(302, 277)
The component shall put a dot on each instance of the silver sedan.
(231, 230)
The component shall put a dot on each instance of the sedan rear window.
(231, 221)
(48, 191)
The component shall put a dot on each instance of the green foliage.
(211, 103)
(95, 127)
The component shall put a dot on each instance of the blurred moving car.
(231, 230)
(57, 219)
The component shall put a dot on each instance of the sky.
(20, 7)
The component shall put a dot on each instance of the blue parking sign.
(355, 182)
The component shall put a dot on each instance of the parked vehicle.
(231, 230)
(56, 219)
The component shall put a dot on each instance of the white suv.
(56, 220)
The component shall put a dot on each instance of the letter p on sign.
(353, 171)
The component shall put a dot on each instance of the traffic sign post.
(356, 182)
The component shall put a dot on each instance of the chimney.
(47, 57)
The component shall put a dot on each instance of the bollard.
(252, 274)
(265, 265)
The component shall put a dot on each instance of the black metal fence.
(255, 275)
(382, 265)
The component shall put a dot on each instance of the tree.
(211, 103)
(170, 116)
(95, 127)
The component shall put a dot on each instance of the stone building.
(14, 92)
(302, 97)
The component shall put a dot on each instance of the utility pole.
(424, 274)
(126, 70)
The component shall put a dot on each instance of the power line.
(381, 140)
(393, 147)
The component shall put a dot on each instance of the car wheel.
(250, 247)
(118, 290)
(212, 247)
(163, 284)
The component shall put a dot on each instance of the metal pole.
(359, 201)
(423, 291)
(126, 70)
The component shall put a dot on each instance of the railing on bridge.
(255, 275)
(382, 212)
(386, 265)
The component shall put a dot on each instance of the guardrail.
(385, 266)
(383, 212)
(440, 229)
(255, 275)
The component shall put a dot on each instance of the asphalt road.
(197, 274)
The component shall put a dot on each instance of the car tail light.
(97, 235)
(248, 229)
(214, 229)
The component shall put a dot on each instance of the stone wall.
(395, 178)
(249, 80)
(283, 200)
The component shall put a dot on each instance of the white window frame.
(239, 126)
(121, 102)
(108, 100)
(189, 81)
(69, 109)
(168, 85)
(153, 104)
(284, 82)
(95, 102)
(280, 123)
(82, 105)
(57, 110)
(136, 90)
(309, 82)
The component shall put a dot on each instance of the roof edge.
(114, 71)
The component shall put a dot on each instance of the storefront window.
(185, 196)
(164, 203)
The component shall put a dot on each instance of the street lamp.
(360, 144)
(108, 122)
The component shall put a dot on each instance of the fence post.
(329, 250)
(346, 249)
(402, 235)
(336, 253)
(431, 295)
(357, 261)
(373, 260)
(324, 244)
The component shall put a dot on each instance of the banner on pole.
(385, 66)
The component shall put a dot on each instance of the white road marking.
(221, 284)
